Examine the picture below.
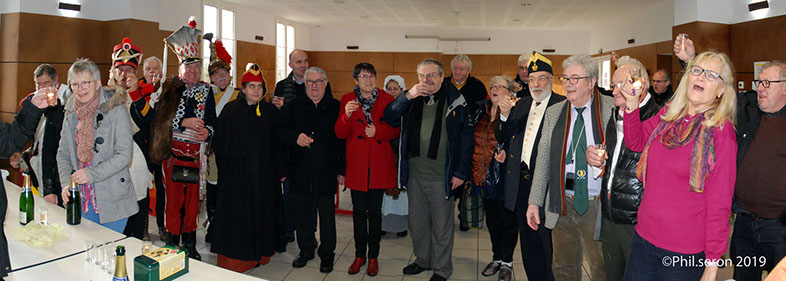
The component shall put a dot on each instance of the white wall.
(647, 26)
(717, 11)
(391, 39)
(739, 10)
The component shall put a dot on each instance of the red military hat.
(126, 54)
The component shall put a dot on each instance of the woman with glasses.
(250, 162)
(96, 148)
(688, 167)
(370, 163)
(501, 222)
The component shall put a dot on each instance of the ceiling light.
(70, 6)
(517, 20)
(758, 6)
(526, 4)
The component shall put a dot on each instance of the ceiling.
(542, 14)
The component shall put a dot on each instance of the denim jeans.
(757, 244)
(648, 262)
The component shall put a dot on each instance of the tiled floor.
(471, 253)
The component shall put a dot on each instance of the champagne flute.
(636, 80)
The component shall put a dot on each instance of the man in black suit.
(520, 130)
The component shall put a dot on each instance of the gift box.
(164, 264)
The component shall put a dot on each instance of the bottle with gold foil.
(74, 206)
(120, 264)
(26, 202)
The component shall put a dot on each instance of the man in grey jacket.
(571, 191)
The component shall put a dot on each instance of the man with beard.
(436, 157)
(661, 87)
(521, 131)
(185, 115)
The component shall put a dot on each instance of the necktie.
(579, 148)
(537, 103)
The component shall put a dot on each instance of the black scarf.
(415, 120)
(366, 104)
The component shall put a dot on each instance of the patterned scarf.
(85, 113)
(678, 133)
(366, 104)
(88, 193)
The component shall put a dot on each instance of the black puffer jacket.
(626, 190)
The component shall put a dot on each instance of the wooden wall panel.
(261, 54)
(9, 32)
(509, 64)
(664, 62)
(407, 62)
(9, 71)
(760, 40)
(346, 61)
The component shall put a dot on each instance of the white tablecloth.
(73, 240)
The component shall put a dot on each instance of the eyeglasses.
(430, 76)
(82, 85)
(660, 81)
(617, 85)
(367, 76)
(572, 80)
(498, 87)
(314, 82)
(711, 76)
(766, 83)
(540, 79)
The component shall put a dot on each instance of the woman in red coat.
(367, 134)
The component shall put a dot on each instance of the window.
(222, 25)
(285, 44)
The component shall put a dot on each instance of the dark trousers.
(302, 211)
(160, 197)
(616, 238)
(757, 244)
(503, 230)
(289, 228)
(367, 218)
(648, 262)
(137, 223)
(536, 247)
(210, 204)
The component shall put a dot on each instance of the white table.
(76, 268)
(23, 255)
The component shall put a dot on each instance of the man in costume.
(185, 115)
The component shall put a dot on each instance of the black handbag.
(184, 174)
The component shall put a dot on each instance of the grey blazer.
(547, 180)
(111, 156)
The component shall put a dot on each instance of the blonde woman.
(688, 166)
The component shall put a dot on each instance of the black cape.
(248, 219)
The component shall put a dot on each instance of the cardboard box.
(164, 264)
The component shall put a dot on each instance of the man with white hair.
(562, 183)
(473, 91)
(620, 215)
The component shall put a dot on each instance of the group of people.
(564, 175)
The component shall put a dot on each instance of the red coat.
(368, 156)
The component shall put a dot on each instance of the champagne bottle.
(26, 203)
(120, 264)
(74, 206)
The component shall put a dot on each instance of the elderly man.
(619, 175)
(562, 183)
(473, 91)
(661, 87)
(521, 87)
(316, 167)
(185, 116)
(436, 155)
(521, 130)
(292, 86)
(151, 70)
(41, 156)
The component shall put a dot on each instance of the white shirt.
(534, 119)
(593, 182)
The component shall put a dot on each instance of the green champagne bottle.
(26, 203)
(74, 206)
(120, 264)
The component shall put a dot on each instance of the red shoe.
(373, 267)
(355, 267)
